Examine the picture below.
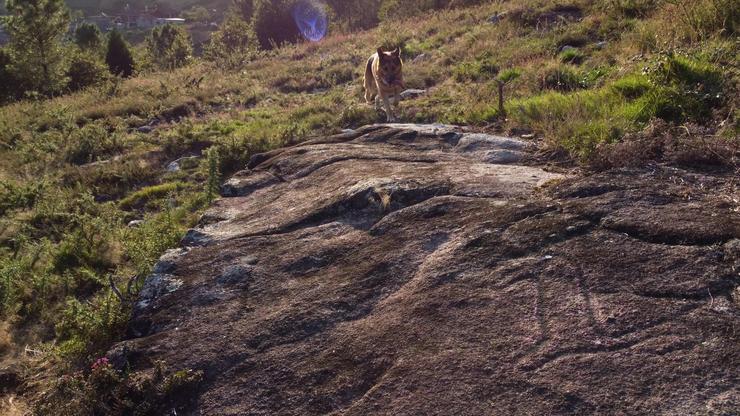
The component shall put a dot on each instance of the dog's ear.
(396, 52)
(380, 52)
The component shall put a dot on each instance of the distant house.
(104, 22)
(129, 20)
(170, 20)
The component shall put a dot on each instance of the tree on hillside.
(88, 37)
(246, 7)
(169, 46)
(85, 69)
(118, 56)
(11, 86)
(37, 29)
(273, 23)
(356, 14)
(234, 43)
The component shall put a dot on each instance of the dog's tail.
(369, 68)
(369, 82)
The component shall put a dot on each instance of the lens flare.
(310, 17)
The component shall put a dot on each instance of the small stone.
(601, 45)
(412, 93)
(503, 156)
(496, 18)
(420, 58)
(568, 48)
(528, 136)
(195, 238)
(155, 286)
(134, 223)
(145, 129)
(183, 162)
(173, 167)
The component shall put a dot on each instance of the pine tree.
(88, 37)
(273, 23)
(169, 46)
(118, 56)
(246, 7)
(37, 29)
(10, 87)
(234, 43)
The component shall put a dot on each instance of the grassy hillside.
(86, 196)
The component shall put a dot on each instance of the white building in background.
(103, 21)
(169, 20)
(146, 21)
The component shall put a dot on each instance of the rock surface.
(396, 270)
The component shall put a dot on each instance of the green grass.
(149, 194)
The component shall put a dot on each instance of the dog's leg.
(396, 100)
(369, 96)
(370, 92)
(388, 109)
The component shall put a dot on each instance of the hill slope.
(405, 270)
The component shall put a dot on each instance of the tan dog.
(384, 80)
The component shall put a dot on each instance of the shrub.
(145, 244)
(85, 69)
(88, 36)
(273, 23)
(87, 327)
(571, 56)
(105, 390)
(233, 44)
(684, 88)
(37, 29)
(559, 78)
(169, 46)
(11, 88)
(704, 18)
(118, 56)
(21, 196)
(87, 245)
(481, 69)
(91, 142)
(149, 194)
(632, 86)
(214, 175)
